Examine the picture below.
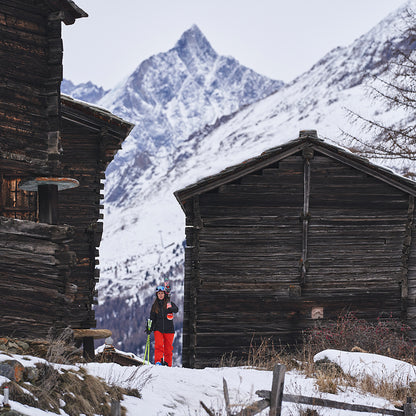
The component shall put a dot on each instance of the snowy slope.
(178, 391)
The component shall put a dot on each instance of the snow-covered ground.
(178, 391)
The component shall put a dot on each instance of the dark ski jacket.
(160, 322)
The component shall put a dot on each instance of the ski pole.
(147, 348)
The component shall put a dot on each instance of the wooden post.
(226, 397)
(88, 350)
(409, 408)
(307, 156)
(205, 407)
(115, 408)
(48, 204)
(277, 390)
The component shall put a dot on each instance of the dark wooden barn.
(53, 154)
(305, 231)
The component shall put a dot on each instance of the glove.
(148, 331)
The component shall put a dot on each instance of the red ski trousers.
(163, 347)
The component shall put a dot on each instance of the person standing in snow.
(161, 315)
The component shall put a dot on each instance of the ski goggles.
(160, 288)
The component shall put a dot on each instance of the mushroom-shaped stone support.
(48, 188)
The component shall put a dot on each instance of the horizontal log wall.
(243, 262)
(35, 263)
(356, 232)
(410, 252)
(30, 75)
(80, 207)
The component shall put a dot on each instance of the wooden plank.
(276, 393)
(307, 155)
(226, 397)
(254, 408)
(409, 408)
(317, 401)
(206, 408)
(93, 333)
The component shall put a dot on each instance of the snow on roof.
(95, 110)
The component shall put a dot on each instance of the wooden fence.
(275, 397)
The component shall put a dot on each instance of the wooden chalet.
(53, 154)
(304, 231)
(90, 137)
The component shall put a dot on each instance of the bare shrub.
(308, 412)
(18, 394)
(80, 392)
(326, 383)
(61, 348)
(386, 336)
(264, 355)
(85, 394)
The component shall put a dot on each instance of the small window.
(15, 203)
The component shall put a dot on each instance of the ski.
(147, 348)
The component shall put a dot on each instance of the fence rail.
(273, 398)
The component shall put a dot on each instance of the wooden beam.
(307, 156)
(93, 333)
(276, 394)
(409, 408)
(226, 397)
(317, 401)
(206, 408)
(194, 283)
(254, 408)
(407, 244)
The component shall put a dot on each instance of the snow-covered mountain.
(169, 97)
(187, 128)
(87, 91)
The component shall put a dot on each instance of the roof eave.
(97, 116)
(275, 154)
(70, 11)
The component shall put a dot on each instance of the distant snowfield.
(178, 391)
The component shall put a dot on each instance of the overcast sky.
(277, 38)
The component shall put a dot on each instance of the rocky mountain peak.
(193, 48)
(173, 94)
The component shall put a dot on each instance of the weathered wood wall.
(90, 137)
(80, 207)
(304, 232)
(409, 256)
(30, 76)
(35, 264)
